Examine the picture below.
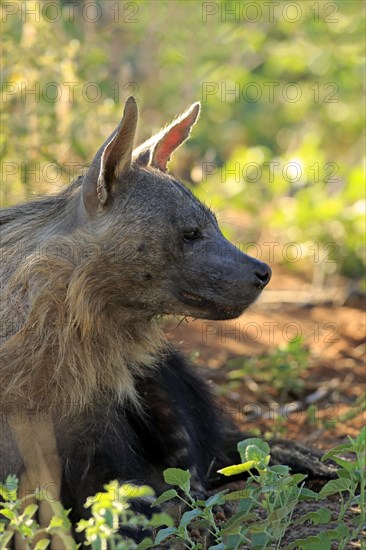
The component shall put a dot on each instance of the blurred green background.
(280, 137)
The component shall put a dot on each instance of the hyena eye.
(191, 235)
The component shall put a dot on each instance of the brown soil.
(335, 336)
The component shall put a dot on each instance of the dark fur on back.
(178, 426)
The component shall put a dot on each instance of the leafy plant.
(199, 512)
(18, 519)
(281, 369)
(350, 487)
(111, 508)
(264, 509)
(269, 498)
(351, 483)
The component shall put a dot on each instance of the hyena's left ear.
(112, 161)
(158, 149)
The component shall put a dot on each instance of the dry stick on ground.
(311, 296)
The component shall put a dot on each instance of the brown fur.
(60, 307)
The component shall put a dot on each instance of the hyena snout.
(261, 276)
(246, 277)
(221, 283)
(241, 284)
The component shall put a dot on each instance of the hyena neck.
(64, 324)
(75, 348)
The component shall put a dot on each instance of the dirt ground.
(336, 338)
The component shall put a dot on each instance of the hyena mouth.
(216, 311)
(193, 299)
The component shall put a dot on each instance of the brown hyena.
(85, 274)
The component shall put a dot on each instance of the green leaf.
(145, 544)
(176, 476)
(308, 494)
(311, 543)
(362, 435)
(298, 478)
(349, 466)
(247, 504)
(8, 513)
(25, 530)
(189, 516)
(167, 495)
(163, 534)
(335, 486)
(218, 498)
(130, 491)
(237, 468)
(30, 510)
(253, 442)
(335, 451)
(5, 539)
(320, 516)
(42, 544)
(252, 452)
(235, 542)
(279, 469)
(260, 540)
(280, 513)
(161, 519)
(56, 522)
(234, 522)
(9, 489)
(321, 541)
(238, 495)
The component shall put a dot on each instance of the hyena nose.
(262, 276)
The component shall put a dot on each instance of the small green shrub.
(281, 369)
(111, 508)
(264, 509)
(16, 520)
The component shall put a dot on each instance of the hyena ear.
(111, 161)
(158, 149)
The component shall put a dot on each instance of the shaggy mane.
(60, 314)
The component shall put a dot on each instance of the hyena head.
(164, 250)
